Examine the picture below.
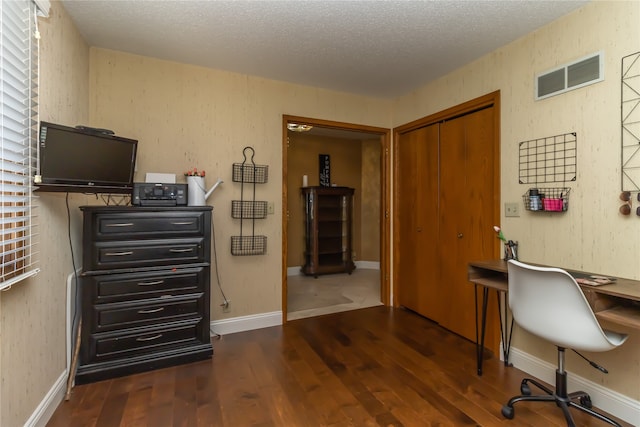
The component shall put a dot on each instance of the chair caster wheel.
(586, 401)
(507, 412)
(525, 389)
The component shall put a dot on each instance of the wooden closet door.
(416, 254)
(466, 211)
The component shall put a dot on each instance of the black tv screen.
(84, 160)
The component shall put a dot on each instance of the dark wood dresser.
(145, 292)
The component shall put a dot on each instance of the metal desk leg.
(506, 334)
(506, 328)
(480, 342)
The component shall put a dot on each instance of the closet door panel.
(467, 209)
(417, 256)
(482, 195)
(453, 213)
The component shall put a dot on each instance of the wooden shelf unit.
(328, 224)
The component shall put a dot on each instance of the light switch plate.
(511, 209)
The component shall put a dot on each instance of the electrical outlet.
(225, 306)
(270, 208)
(511, 209)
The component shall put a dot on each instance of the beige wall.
(32, 323)
(186, 116)
(591, 235)
(371, 184)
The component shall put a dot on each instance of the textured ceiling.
(376, 48)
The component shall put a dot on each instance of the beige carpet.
(332, 293)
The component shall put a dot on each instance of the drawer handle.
(151, 310)
(155, 337)
(181, 250)
(119, 253)
(157, 282)
(183, 223)
(120, 224)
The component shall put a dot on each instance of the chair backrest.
(548, 302)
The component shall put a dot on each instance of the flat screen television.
(84, 160)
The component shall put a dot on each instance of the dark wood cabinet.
(328, 223)
(144, 289)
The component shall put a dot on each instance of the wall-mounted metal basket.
(250, 173)
(547, 199)
(248, 245)
(248, 209)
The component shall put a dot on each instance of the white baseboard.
(608, 400)
(246, 323)
(364, 265)
(49, 404)
(294, 271)
(368, 265)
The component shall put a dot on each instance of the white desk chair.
(549, 303)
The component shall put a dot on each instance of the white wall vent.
(574, 75)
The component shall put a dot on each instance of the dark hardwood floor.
(371, 367)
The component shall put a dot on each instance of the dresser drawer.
(135, 342)
(104, 288)
(148, 225)
(145, 312)
(144, 253)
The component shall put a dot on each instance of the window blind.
(18, 140)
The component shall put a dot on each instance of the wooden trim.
(285, 217)
(385, 220)
(333, 125)
(497, 177)
(488, 100)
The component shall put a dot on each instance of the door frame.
(385, 192)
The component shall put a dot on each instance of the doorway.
(347, 141)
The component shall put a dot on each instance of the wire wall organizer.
(547, 199)
(247, 208)
(630, 120)
(551, 159)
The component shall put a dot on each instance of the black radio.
(150, 194)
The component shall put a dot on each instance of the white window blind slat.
(7, 189)
(8, 282)
(10, 134)
(18, 114)
(15, 163)
(11, 220)
(16, 198)
(15, 171)
(14, 240)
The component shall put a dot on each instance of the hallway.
(332, 293)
